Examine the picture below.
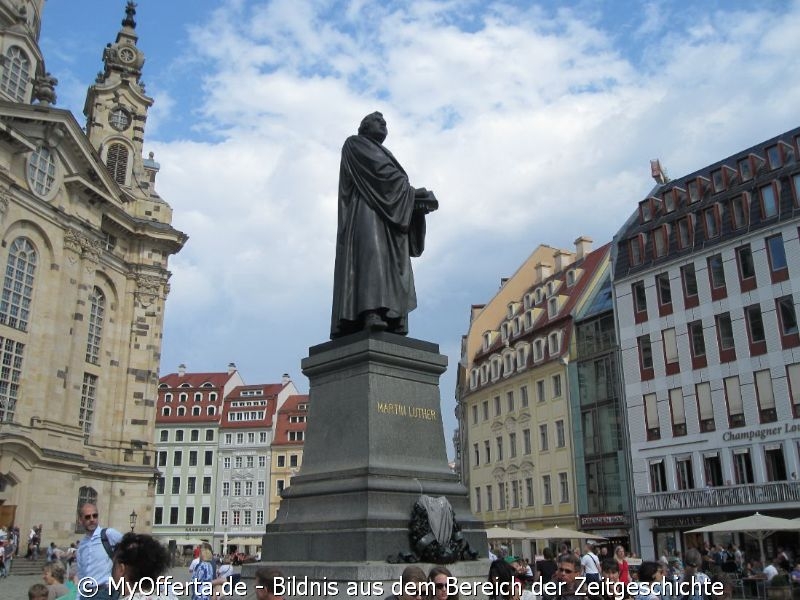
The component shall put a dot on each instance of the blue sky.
(533, 123)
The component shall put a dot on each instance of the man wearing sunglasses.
(569, 569)
(94, 561)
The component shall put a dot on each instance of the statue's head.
(373, 126)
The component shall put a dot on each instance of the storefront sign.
(760, 434)
(199, 529)
(677, 522)
(603, 520)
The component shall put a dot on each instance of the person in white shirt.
(772, 569)
(590, 564)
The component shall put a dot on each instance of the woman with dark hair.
(503, 575)
(439, 576)
(138, 557)
(546, 568)
(651, 572)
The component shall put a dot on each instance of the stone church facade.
(84, 243)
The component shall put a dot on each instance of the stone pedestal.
(374, 443)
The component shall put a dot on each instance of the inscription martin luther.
(407, 410)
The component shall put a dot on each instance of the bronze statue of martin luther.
(381, 226)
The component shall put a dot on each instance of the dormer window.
(515, 326)
(484, 373)
(185, 385)
(487, 340)
(508, 364)
(723, 178)
(207, 384)
(748, 167)
(473, 378)
(513, 309)
(538, 350)
(522, 356)
(527, 301)
(552, 307)
(673, 199)
(647, 209)
(697, 188)
(779, 154)
(660, 241)
(495, 368)
(554, 343)
(504, 331)
(740, 210)
(538, 294)
(552, 287)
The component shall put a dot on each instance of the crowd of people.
(104, 555)
(710, 573)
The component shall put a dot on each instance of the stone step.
(23, 566)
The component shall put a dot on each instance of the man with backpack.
(94, 556)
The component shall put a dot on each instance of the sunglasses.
(91, 516)
(560, 570)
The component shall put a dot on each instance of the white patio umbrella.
(505, 533)
(758, 526)
(562, 533)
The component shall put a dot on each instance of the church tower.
(116, 112)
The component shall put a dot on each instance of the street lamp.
(133, 516)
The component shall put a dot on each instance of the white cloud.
(532, 127)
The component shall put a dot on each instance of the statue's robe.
(378, 232)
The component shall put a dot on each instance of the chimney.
(543, 271)
(563, 260)
(285, 379)
(503, 281)
(231, 368)
(583, 245)
(181, 370)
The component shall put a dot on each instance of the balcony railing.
(764, 493)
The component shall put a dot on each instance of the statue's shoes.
(373, 322)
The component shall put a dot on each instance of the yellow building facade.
(515, 432)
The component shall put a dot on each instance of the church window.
(15, 303)
(10, 372)
(88, 398)
(15, 74)
(42, 170)
(117, 162)
(97, 307)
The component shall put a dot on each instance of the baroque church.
(85, 240)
